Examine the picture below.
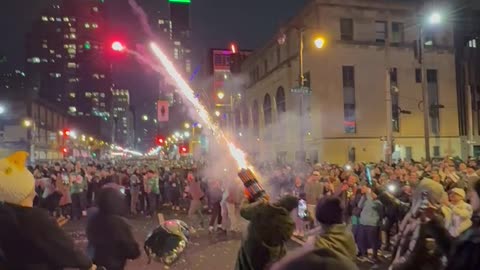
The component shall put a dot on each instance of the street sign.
(162, 113)
(303, 90)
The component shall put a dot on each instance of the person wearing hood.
(29, 238)
(461, 212)
(269, 229)
(334, 234)
(464, 251)
(110, 238)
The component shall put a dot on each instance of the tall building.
(224, 89)
(467, 51)
(66, 59)
(123, 133)
(181, 34)
(344, 116)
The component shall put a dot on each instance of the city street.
(205, 251)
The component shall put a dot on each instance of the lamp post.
(319, 43)
(31, 135)
(434, 18)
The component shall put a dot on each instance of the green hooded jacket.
(339, 239)
(269, 229)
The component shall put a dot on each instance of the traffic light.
(66, 132)
(64, 150)
(117, 46)
(160, 140)
(183, 149)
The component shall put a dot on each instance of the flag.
(162, 107)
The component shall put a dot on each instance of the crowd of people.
(416, 215)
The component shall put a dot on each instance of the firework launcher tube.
(253, 189)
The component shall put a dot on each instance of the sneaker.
(362, 258)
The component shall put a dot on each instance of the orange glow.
(233, 48)
(238, 155)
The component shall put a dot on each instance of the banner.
(162, 113)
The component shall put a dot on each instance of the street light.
(145, 117)
(435, 18)
(220, 95)
(186, 125)
(217, 113)
(186, 134)
(319, 42)
(27, 123)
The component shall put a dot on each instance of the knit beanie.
(287, 202)
(329, 210)
(16, 182)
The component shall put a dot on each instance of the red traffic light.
(160, 140)
(66, 132)
(117, 46)
(183, 149)
(64, 150)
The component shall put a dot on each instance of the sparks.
(237, 154)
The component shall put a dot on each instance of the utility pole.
(426, 102)
(302, 84)
(388, 96)
(469, 107)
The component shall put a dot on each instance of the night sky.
(215, 23)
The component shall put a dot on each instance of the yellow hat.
(16, 181)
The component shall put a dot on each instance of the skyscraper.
(122, 117)
(181, 34)
(66, 60)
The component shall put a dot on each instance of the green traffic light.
(87, 46)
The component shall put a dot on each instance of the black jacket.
(30, 239)
(110, 238)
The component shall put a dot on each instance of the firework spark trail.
(189, 94)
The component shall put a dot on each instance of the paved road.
(205, 252)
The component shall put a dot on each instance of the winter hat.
(329, 210)
(460, 192)
(16, 182)
(287, 202)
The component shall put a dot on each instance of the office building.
(66, 59)
(344, 118)
(123, 133)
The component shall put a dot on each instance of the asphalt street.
(204, 252)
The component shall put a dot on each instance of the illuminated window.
(177, 43)
(95, 9)
(65, 19)
(73, 36)
(58, 56)
(58, 19)
(35, 60)
(175, 53)
(72, 95)
(52, 19)
(73, 30)
(102, 76)
(161, 22)
(102, 95)
(87, 25)
(472, 43)
(45, 18)
(94, 25)
(72, 109)
(88, 94)
(52, 51)
(71, 65)
(44, 46)
(65, 46)
(188, 65)
(95, 76)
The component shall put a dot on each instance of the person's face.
(298, 181)
(462, 166)
(57, 168)
(351, 180)
(454, 197)
(316, 176)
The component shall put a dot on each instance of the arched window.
(267, 109)
(280, 100)
(255, 117)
